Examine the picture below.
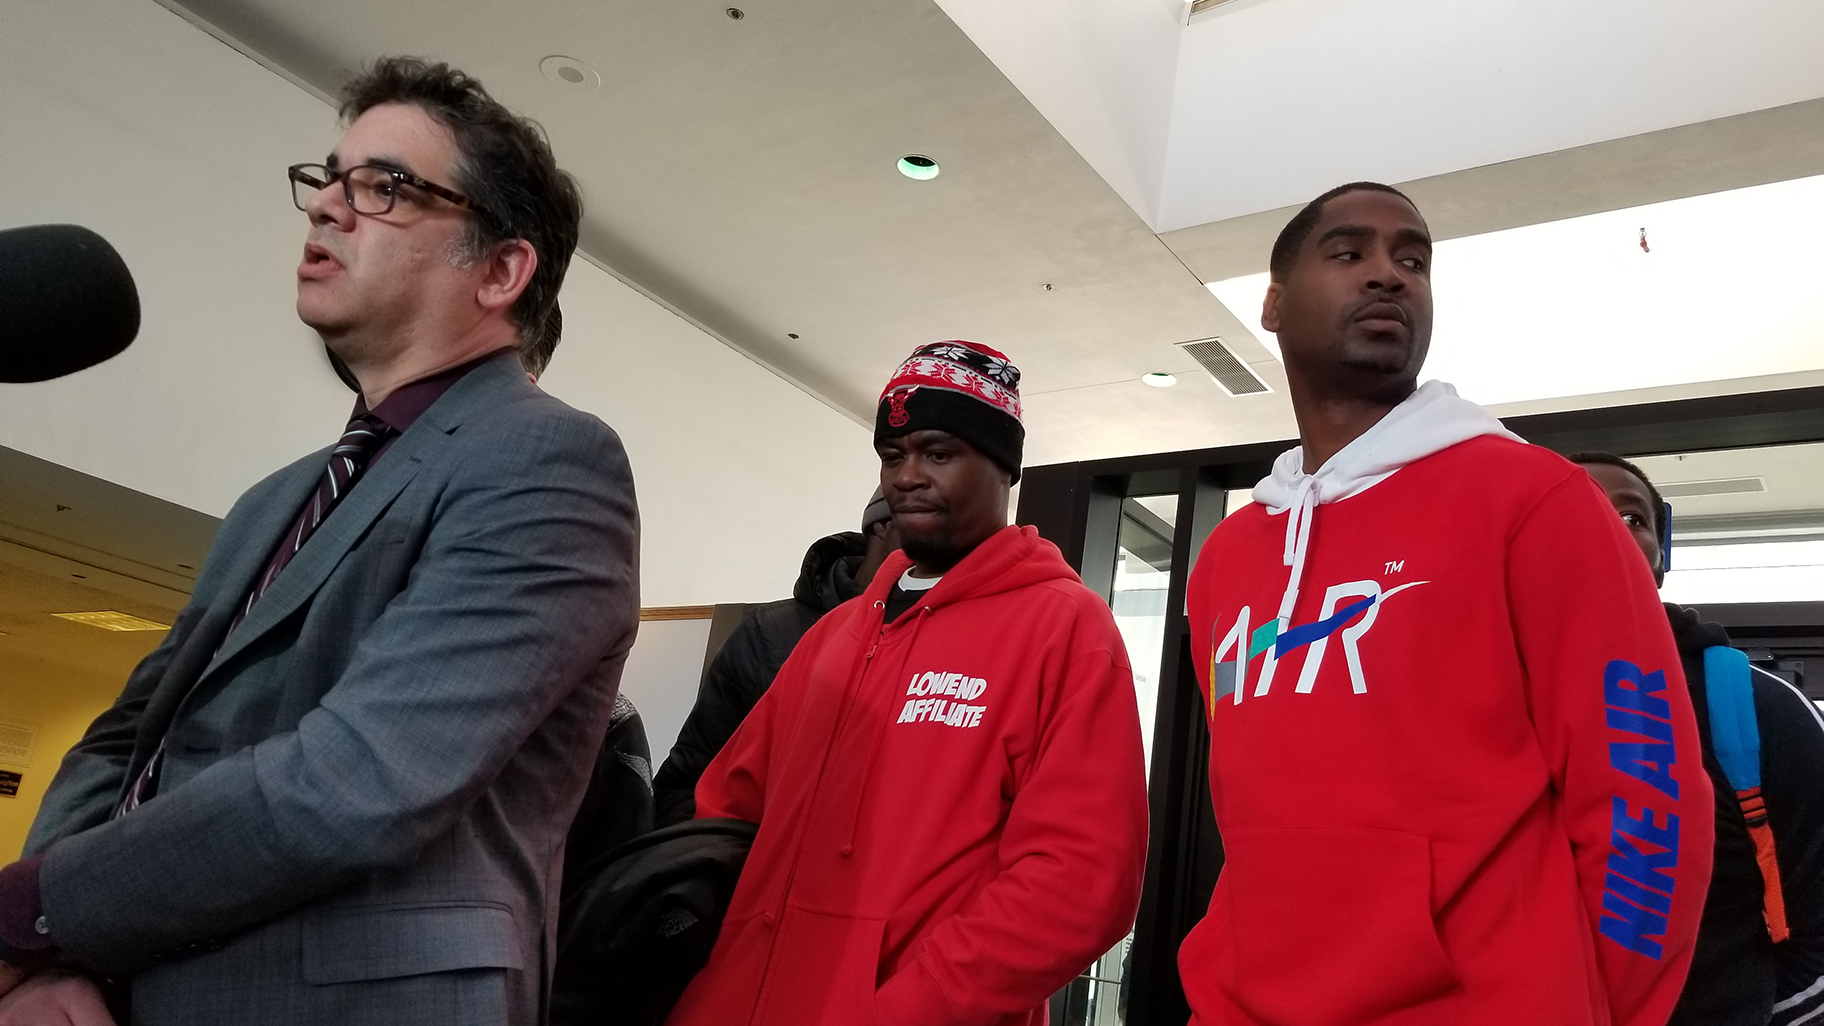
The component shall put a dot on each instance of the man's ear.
(509, 271)
(1269, 308)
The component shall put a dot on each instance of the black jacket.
(617, 807)
(1738, 975)
(640, 922)
(744, 668)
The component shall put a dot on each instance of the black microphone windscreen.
(67, 302)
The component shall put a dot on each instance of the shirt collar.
(907, 582)
(407, 403)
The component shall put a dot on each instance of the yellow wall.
(61, 701)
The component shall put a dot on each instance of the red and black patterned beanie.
(965, 388)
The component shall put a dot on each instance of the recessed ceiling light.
(918, 167)
(114, 620)
(568, 71)
(1160, 379)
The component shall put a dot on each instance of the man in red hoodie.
(947, 771)
(1453, 758)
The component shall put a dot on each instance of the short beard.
(938, 553)
(1379, 383)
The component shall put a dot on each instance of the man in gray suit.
(338, 791)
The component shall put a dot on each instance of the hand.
(55, 998)
(11, 976)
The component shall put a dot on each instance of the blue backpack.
(1735, 734)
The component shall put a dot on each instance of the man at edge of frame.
(1453, 760)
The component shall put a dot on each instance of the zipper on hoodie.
(776, 918)
(880, 732)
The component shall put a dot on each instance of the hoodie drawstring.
(1431, 419)
(1298, 542)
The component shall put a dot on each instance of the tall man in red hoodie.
(947, 771)
(1452, 755)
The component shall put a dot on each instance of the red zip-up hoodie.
(1460, 782)
(952, 807)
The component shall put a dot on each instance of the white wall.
(737, 471)
(119, 115)
(661, 678)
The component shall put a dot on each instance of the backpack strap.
(1735, 734)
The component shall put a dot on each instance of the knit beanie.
(964, 388)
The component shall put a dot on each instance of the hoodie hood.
(827, 579)
(1433, 418)
(1692, 632)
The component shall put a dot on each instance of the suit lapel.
(370, 497)
(277, 513)
(345, 525)
(273, 512)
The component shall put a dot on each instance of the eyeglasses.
(369, 188)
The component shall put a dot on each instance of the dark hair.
(1292, 237)
(504, 165)
(536, 355)
(1598, 456)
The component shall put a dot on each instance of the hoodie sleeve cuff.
(912, 998)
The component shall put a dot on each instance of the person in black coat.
(617, 807)
(835, 570)
(1739, 976)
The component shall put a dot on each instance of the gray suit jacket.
(362, 811)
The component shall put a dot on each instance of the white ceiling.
(744, 172)
(1726, 287)
(1102, 73)
(1791, 477)
(1258, 104)
(741, 172)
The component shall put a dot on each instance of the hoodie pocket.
(824, 970)
(1334, 927)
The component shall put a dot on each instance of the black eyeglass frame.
(299, 174)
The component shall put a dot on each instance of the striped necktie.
(347, 461)
(364, 436)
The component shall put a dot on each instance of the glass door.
(1139, 595)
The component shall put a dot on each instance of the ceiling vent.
(1719, 486)
(1223, 365)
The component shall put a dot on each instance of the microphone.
(67, 302)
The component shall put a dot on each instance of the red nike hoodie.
(952, 807)
(1453, 758)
